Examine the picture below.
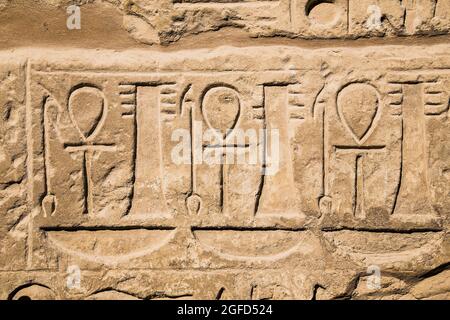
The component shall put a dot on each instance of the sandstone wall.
(110, 186)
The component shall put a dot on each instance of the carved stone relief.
(237, 172)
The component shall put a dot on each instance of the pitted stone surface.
(103, 197)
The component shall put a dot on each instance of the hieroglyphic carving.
(328, 19)
(78, 135)
(278, 114)
(350, 185)
(148, 197)
(32, 291)
(358, 156)
(351, 142)
(420, 97)
(146, 110)
(359, 111)
(125, 164)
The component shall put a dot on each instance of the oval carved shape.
(32, 291)
(221, 109)
(322, 12)
(86, 109)
(358, 107)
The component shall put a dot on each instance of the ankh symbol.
(87, 111)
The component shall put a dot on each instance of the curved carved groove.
(110, 247)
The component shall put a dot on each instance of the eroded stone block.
(14, 210)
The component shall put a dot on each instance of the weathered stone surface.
(114, 186)
(167, 21)
(13, 155)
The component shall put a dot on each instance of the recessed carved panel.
(268, 171)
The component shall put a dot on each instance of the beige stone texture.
(349, 196)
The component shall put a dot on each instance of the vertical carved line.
(29, 138)
(262, 156)
(134, 156)
(87, 205)
(325, 150)
(222, 183)
(193, 153)
(435, 6)
(45, 142)
(358, 209)
(348, 17)
(399, 185)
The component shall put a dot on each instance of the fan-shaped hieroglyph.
(359, 108)
(221, 109)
